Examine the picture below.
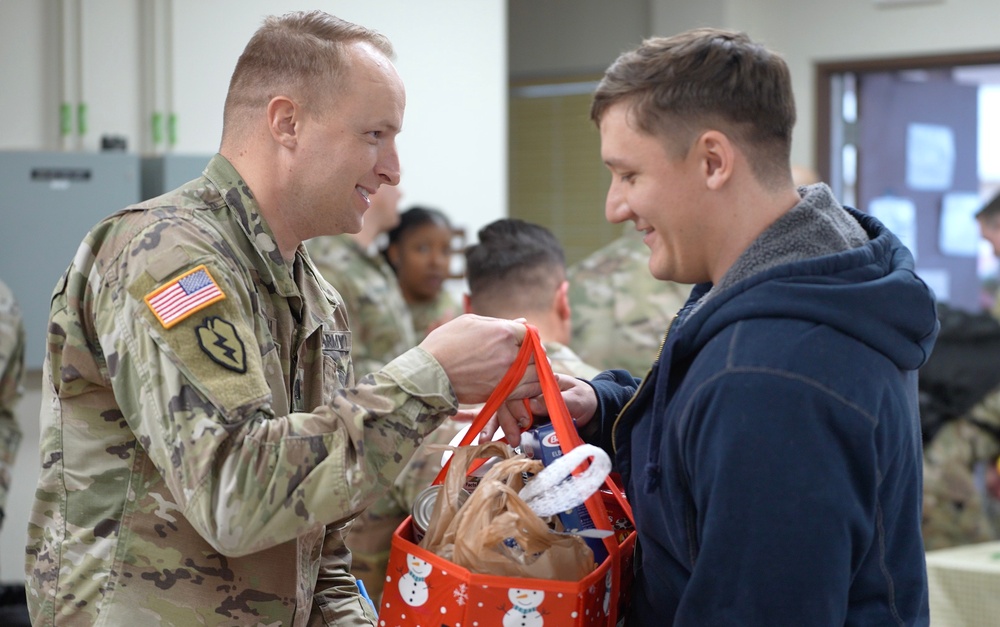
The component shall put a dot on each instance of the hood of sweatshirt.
(826, 264)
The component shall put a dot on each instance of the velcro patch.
(184, 295)
(220, 341)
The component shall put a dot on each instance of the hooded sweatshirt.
(773, 455)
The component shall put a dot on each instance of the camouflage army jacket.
(620, 311)
(429, 316)
(11, 381)
(203, 444)
(381, 326)
(565, 361)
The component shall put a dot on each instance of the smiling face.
(659, 192)
(347, 150)
(417, 566)
(524, 598)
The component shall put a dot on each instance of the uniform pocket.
(337, 369)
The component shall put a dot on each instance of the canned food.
(423, 507)
(473, 479)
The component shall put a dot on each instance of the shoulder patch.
(220, 341)
(184, 295)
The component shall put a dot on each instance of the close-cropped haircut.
(299, 54)
(678, 87)
(515, 267)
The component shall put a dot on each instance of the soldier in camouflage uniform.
(620, 311)
(381, 326)
(11, 382)
(518, 270)
(957, 509)
(420, 252)
(988, 218)
(204, 443)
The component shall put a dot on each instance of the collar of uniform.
(245, 210)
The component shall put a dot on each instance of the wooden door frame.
(827, 69)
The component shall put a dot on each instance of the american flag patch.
(190, 292)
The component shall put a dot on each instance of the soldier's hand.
(476, 352)
(513, 417)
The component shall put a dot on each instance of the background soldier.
(960, 416)
(518, 270)
(11, 386)
(13, 611)
(620, 311)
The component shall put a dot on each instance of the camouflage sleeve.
(620, 311)
(986, 413)
(954, 509)
(246, 478)
(11, 380)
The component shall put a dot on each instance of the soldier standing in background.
(988, 218)
(960, 411)
(11, 387)
(381, 326)
(619, 309)
(13, 610)
(204, 443)
(518, 270)
(419, 251)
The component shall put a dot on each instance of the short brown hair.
(300, 54)
(679, 86)
(515, 268)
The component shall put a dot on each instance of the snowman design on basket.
(525, 611)
(412, 585)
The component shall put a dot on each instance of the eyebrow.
(388, 125)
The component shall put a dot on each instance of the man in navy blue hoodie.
(773, 453)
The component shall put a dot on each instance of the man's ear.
(561, 303)
(283, 120)
(466, 303)
(717, 156)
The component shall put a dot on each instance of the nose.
(616, 208)
(441, 258)
(387, 165)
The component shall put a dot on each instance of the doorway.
(916, 142)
